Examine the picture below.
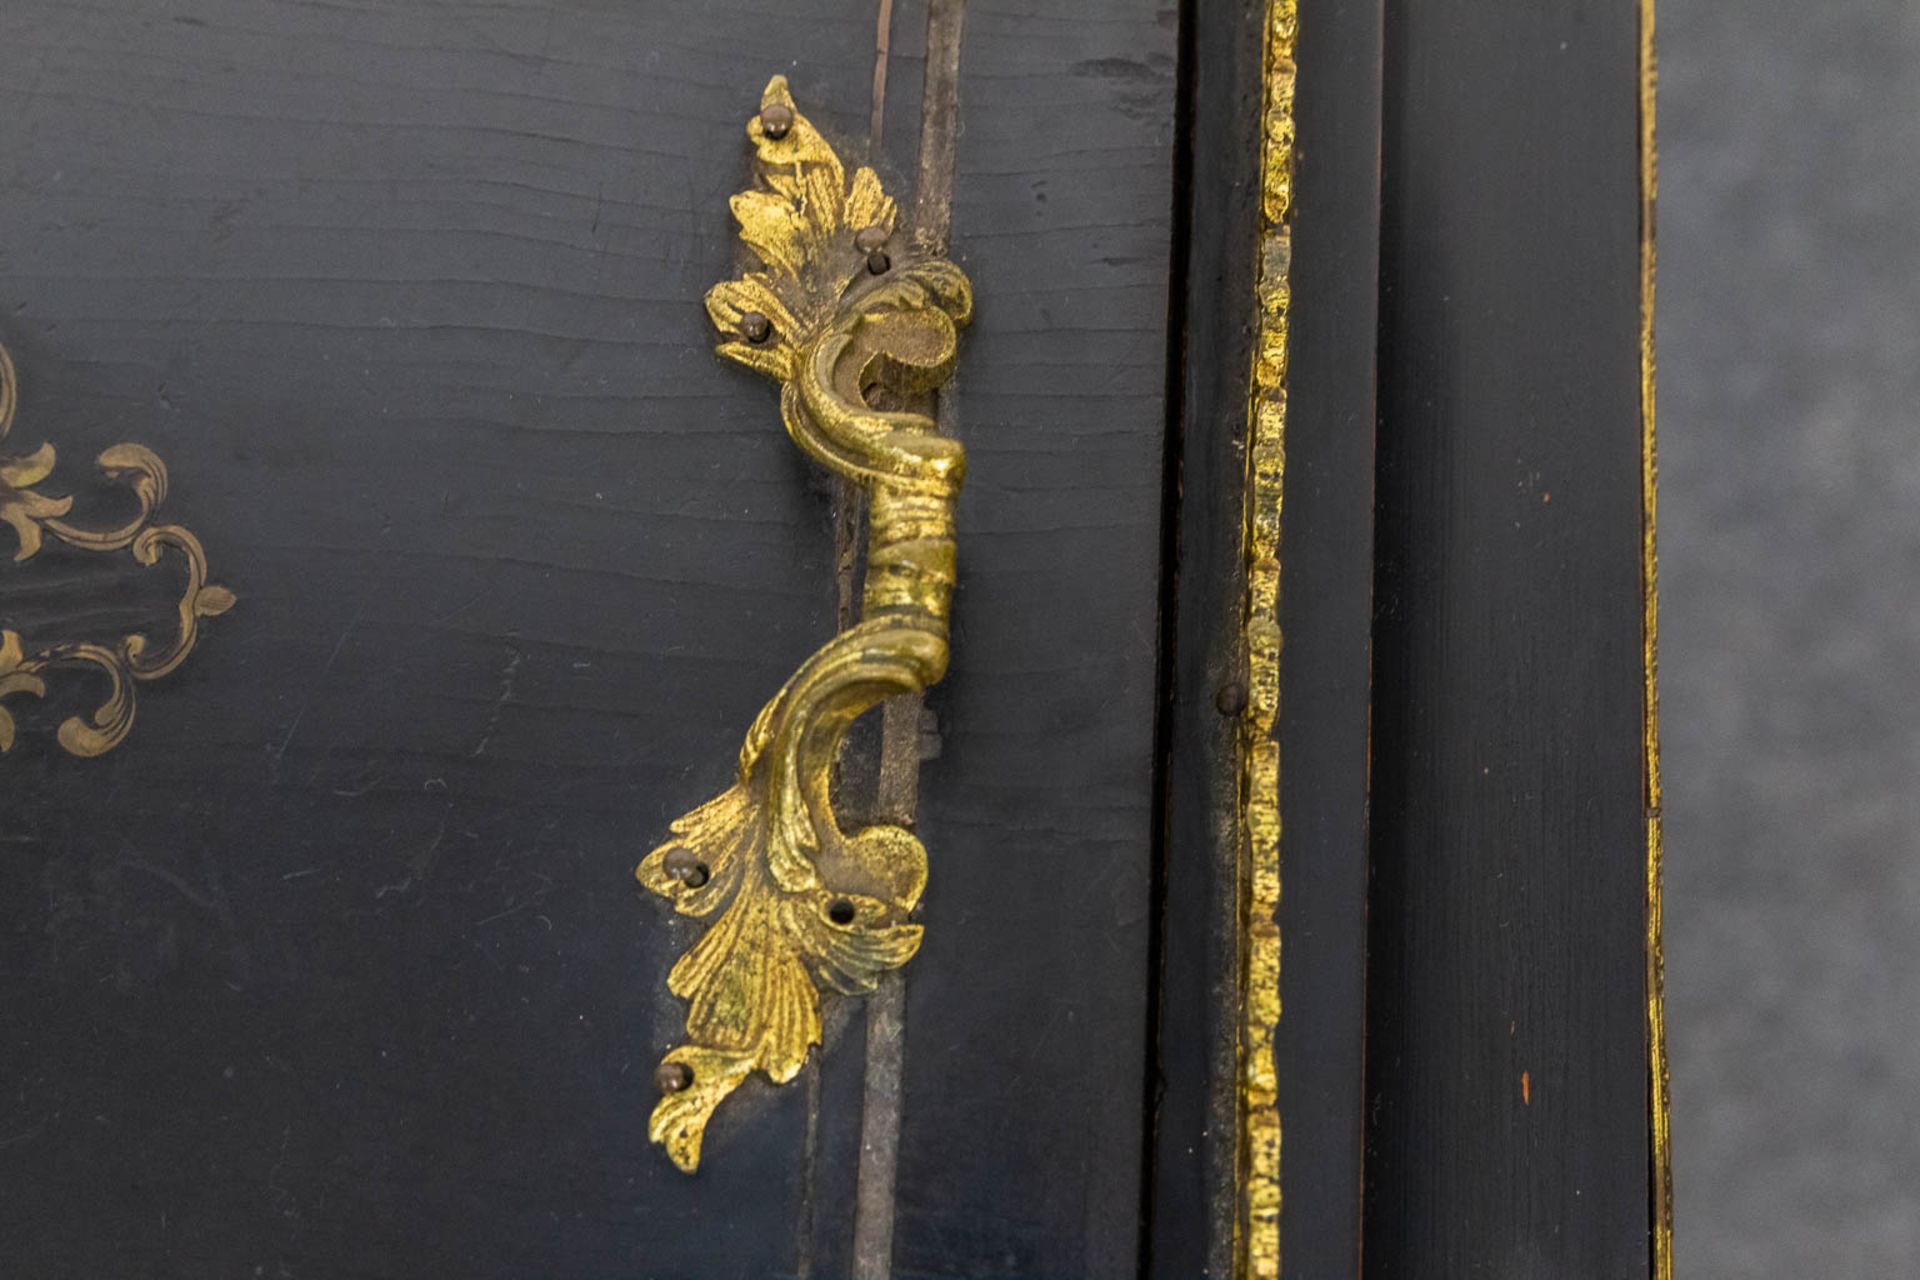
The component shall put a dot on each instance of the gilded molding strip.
(857, 342)
(133, 659)
(1659, 1094)
(1257, 1224)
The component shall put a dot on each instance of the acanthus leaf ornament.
(857, 338)
(33, 518)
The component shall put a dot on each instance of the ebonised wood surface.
(1506, 1053)
(1326, 583)
(1026, 1031)
(1326, 608)
(1026, 1009)
(1194, 1090)
(336, 967)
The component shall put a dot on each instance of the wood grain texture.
(1506, 1056)
(1194, 1090)
(1026, 1010)
(336, 968)
(337, 963)
(1326, 618)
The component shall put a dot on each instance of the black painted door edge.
(1469, 778)
(1509, 968)
(1325, 617)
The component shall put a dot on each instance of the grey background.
(1789, 316)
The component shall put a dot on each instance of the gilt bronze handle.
(858, 333)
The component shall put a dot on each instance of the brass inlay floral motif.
(858, 330)
(133, 659)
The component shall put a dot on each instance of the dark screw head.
(878, 262)
(840, 911)
(1231, 698)
(775, 119)
(672, 1077)
(685, 866)
(867, 239)
(755, 327)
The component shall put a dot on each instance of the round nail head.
(755, 327)
(672, 1077)
(685, 866)
(1230, 698)
(867, 239)
(775, 119)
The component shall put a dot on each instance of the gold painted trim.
(133, 659)
(1658, 1078)
(858, 329)
(1257, 1224)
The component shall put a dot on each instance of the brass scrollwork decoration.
(34, 517)
(858, 339)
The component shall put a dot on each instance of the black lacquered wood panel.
(336, 966)
(1506, 1061)
(1326, 607)
(1326, 584)
(337, 962)
(1026, 1013)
